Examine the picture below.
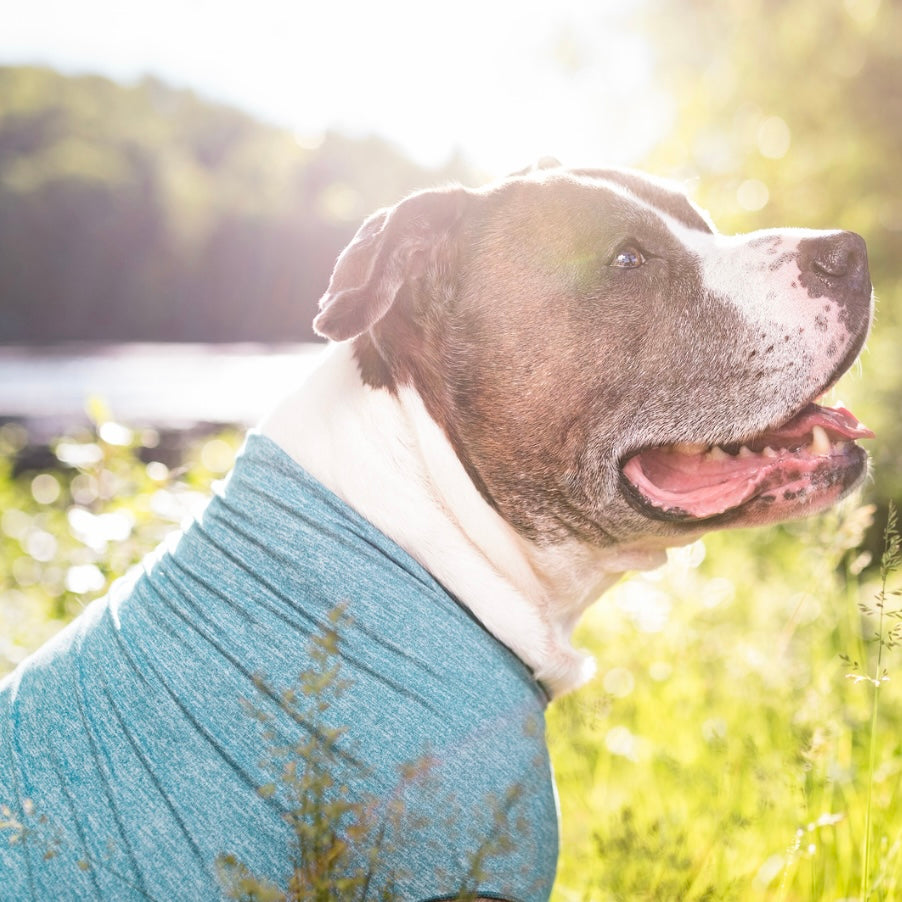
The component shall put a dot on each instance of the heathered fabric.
(132, 763)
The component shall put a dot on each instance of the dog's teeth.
(718, 453)
(769, 452)
(689, 448)
(745, 451)
(820, 442)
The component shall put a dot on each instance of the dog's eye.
(629, 257)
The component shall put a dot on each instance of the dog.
(530, 388)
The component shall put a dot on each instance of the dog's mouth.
(797, 467)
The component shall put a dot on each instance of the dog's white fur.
(386, 457)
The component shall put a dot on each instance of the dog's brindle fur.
(498, 363)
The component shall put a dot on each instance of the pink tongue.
(699, 486)
(837, 422)
(696, 486)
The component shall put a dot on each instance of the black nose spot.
(835, 266)
(840, 255)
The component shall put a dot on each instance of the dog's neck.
(389, 460)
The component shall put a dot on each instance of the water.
(167, 385)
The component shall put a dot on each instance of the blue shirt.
(150, 738)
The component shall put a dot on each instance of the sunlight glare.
(500, 83)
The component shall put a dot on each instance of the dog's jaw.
(384, 455)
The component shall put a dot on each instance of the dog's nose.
(835, 265)
(841, 255)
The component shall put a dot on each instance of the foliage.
(722, 753)
(885, 640)
(66, 532)
(139, 213)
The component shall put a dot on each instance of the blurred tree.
(145, 213)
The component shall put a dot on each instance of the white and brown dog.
(542, 384)
(534, 387)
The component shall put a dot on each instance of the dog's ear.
(392, 248)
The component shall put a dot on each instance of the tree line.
(144, 213)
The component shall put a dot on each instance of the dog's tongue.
(703, 482)
(838, 422)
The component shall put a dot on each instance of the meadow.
(740, 741)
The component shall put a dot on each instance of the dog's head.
(604, 363)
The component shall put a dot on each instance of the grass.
(884, 639)
(723, 752)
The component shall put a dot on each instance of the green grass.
(724, 752)
(740, 741)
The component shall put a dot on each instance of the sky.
(502, 83)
